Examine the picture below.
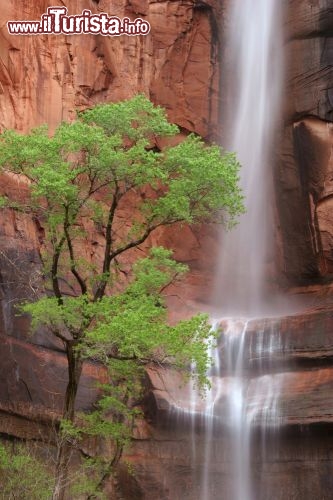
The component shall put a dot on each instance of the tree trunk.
(64, 447)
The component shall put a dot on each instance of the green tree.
(87, 173)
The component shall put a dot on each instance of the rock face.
(298, 465)
(295, 350)
(292, 356)
(303, 174)
(44, 79)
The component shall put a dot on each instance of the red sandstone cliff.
(45, 79)
(304, 173)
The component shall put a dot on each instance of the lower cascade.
(242, 405)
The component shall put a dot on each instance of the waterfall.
(244, 391)
(252, 95)
(254, 48)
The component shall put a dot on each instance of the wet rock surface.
(305, 146)
(297, 464)
(293, 354)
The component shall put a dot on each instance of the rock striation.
(303, 173)
(45, 79)
(178, 65)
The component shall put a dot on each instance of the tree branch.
(60, 336)
(54, 270)
(108, 244)
(142, 238)
(74, 271)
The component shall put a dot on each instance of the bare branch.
(108, 243)
(54, 269)
(73, 268)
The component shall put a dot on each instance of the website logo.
(56, 21)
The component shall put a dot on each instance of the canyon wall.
(45, 79)
(298, 462)
(304, 173)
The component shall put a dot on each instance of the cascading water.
(252, 92)
(244, 393)
(254, 51)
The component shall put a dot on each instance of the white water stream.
(244, 394)
(253, 98)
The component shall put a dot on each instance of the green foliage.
(108, 152)
(22, 475)
(131, 325)
(82, 179)
(85, 484)
(134, 119)
(3, 201)
(69, 431)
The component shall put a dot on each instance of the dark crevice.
(310, 35)
(201, 5)
(27, 389)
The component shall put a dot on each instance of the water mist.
(242, 397)
(252, 102)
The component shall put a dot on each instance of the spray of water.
(244, 397)
(253, 98)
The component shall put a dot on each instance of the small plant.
(23, 476)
